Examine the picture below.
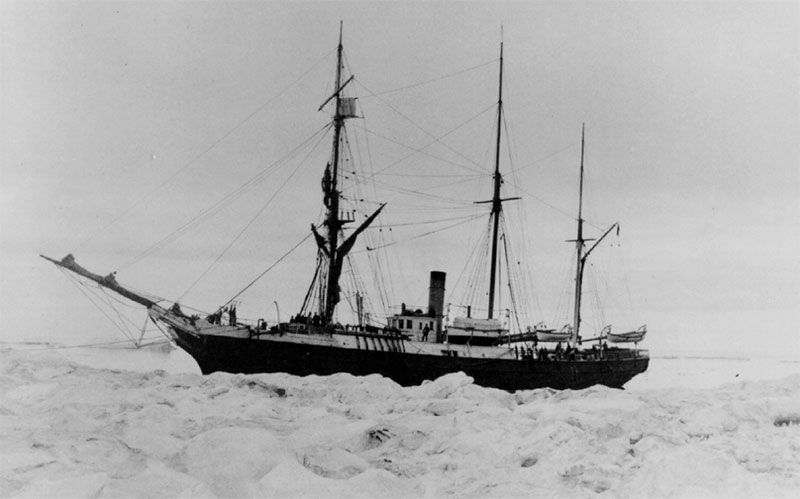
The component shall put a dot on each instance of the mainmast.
(497, 203)
(579, 243)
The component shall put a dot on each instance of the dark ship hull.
(271, 355)
(306, 350)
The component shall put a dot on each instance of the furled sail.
(347, 107)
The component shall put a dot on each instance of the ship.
(410, 347)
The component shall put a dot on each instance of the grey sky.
(692, 113)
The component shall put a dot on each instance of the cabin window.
(409, 324)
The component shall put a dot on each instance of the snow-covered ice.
(71, 430)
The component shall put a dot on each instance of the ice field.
(111, 423)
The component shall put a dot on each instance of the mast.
(579, 243)
(331, 249)
(581, 255)
(497, 203)
(332, 194)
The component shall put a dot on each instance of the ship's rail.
(593, 354)
(330, 329)
(396, 338)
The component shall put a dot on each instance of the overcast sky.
(123, 120)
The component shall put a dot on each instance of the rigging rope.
(565, 305)
(421, 194)
(525, 275)
(436, 139)
(598, 306)
(371, 238)
(417, 175)
(423, 234)
(122, 319)
(477, 265)
(203, 153)
(313, 280)
(541, 159)
(85, 345)
(360, 288)
(214, 208)
(252, 220)
(426, 222)
(75, 282)
(359, 188)
(421, 150)
(463, 271)
(158, 326)
(518, 311)
(433, 80)
(269, 268)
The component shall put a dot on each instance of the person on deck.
(224, 318)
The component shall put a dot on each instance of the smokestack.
(436, 298)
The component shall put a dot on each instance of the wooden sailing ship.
(410, 347)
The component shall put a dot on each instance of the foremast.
(497, 204)
(332, 253)
(332, 220)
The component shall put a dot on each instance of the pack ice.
(69, 430)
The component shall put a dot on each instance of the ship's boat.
(553, 336)
(475, 331)
(629, 337)
(411, 346)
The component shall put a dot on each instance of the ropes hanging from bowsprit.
(108, 305)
